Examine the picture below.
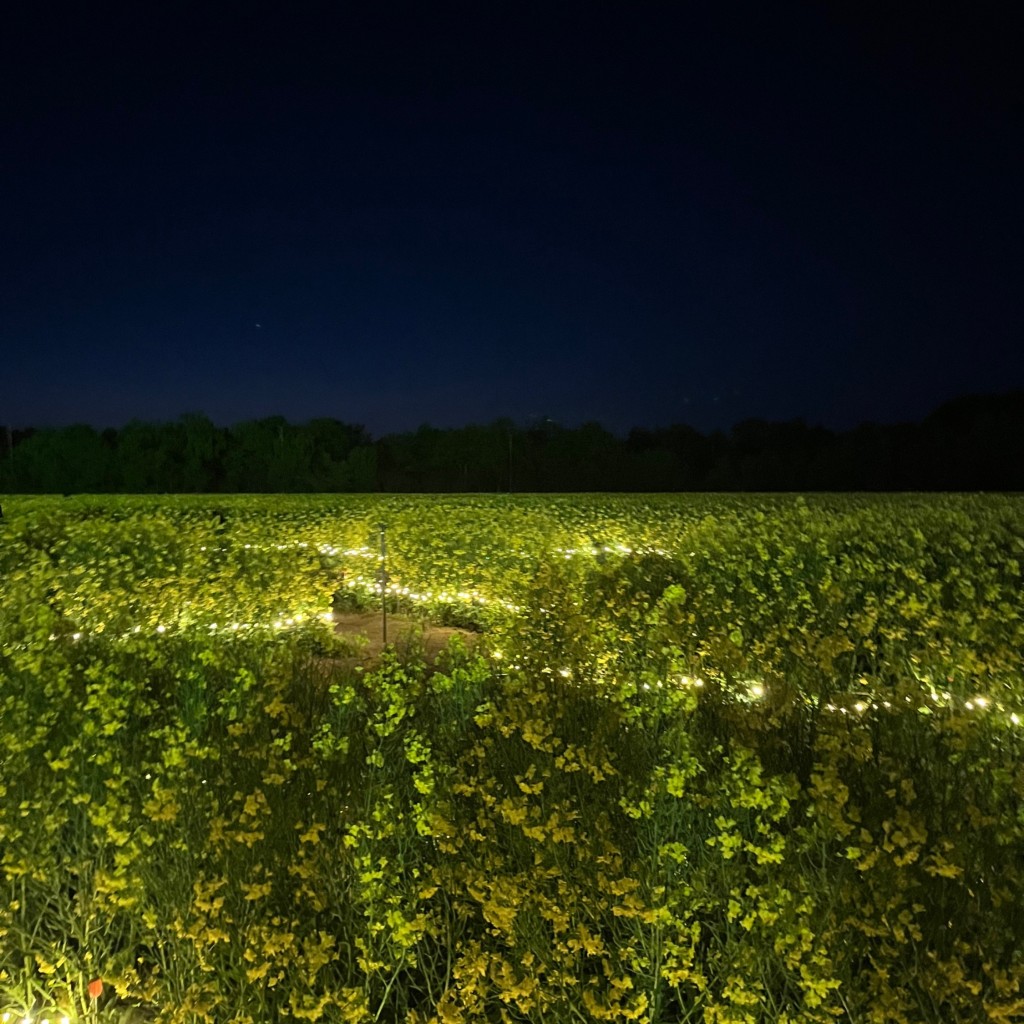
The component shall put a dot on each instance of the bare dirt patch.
(405, 634)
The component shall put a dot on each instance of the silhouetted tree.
(150, 458)
(59, 461)
(971, 443)
(204, 444)
(331, 443)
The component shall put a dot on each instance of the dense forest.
(969, 444)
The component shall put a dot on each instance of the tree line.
(968, 444)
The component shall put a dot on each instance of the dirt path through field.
(404, 633)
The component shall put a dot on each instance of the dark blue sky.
(395, 214)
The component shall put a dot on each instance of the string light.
(372, 587)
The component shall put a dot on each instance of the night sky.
(395, 214)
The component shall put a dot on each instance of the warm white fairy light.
(755, 690)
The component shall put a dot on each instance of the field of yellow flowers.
(718, 759)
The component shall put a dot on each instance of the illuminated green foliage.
(713, 759)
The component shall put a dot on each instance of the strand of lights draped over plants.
(751, 691)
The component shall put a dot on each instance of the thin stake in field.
(382, 578)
